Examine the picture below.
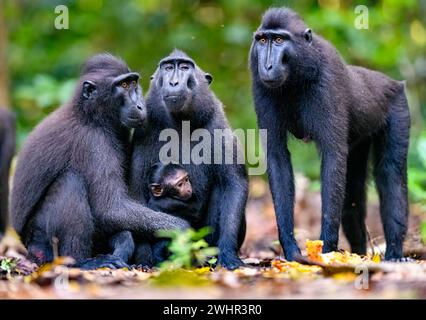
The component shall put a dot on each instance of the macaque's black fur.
(69, 182)
(302, 86)
(7, 149)
(221, 188)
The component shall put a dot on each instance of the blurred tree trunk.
(4, 79)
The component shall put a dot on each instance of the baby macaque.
(171, 192)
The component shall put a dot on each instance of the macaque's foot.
(402, 259)
(141, 267)
(394, 254)
(329, 247)
(102, 261)
(291, 252)
(230, 262)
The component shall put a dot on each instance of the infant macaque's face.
(174, 184)
(182, 185)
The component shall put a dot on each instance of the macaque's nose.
(174, 81)
(189, 191)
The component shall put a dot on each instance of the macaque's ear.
(208, 77)
(308, 35)
(89, 89)
(156, 189)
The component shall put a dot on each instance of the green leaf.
(8, 265)
(187, 248)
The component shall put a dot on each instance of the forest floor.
(267, 276)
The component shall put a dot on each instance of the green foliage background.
(44, 62)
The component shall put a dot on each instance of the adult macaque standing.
(302, 86)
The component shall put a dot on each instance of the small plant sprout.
(188, 248)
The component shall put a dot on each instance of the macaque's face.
(176, 185)
(182, 185)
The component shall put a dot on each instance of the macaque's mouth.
(174, 98)
(272, 83)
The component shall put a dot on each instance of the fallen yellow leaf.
(314, 250)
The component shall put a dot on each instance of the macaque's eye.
(262, 40)
(134, 83)
(184, 66)
(125, 85)
(168, 67)
(279, 40)
(186, 179)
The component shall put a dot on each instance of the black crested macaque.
(171, 192)
(301, 85)
(69, 182)
(7, 149)
(180, 92)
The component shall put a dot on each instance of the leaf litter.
(266, 275)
